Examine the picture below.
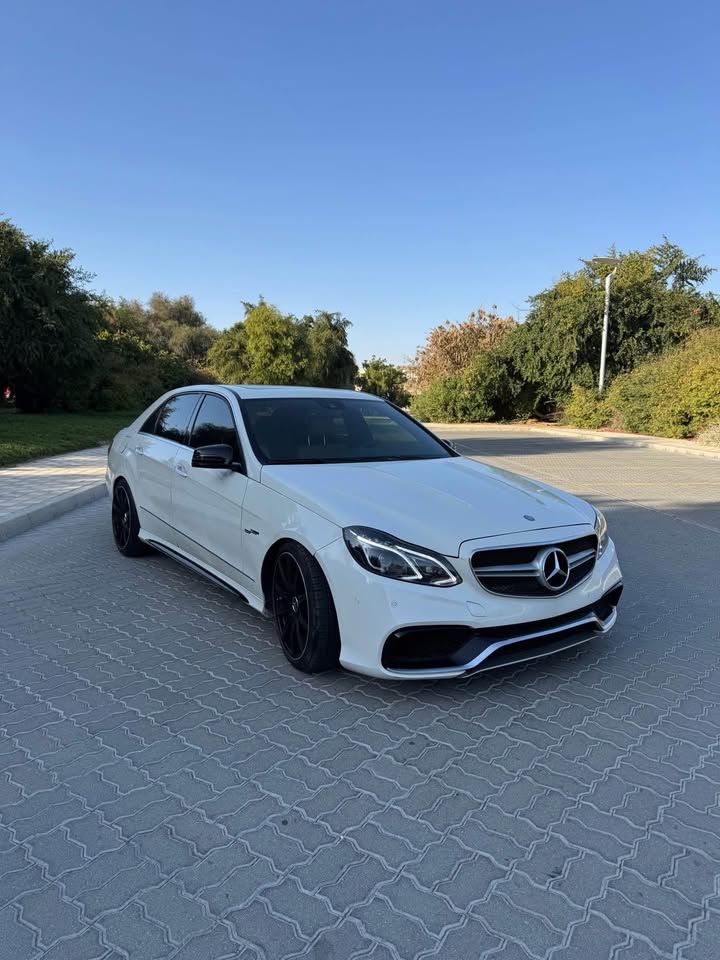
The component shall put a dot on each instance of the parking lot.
(170, 787)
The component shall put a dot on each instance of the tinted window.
(214, 424)
(326, 430)
(174, 418)
(149, 425)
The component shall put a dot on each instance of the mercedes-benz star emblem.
(553, 569)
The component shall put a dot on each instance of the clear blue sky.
(402, 162)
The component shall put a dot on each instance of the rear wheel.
(125, 523)
(304, 611)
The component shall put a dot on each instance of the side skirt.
(195, 567)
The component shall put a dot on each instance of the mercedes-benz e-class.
(370, 541)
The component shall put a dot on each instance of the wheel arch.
(267, 566)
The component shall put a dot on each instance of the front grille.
(518, 571)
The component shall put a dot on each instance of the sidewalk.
(39, 490)
(686, 447)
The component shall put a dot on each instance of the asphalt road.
(169, 787)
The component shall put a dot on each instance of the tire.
(125, 523)
(304, 611)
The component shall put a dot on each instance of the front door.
(207, 503)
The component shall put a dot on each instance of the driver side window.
(214, 424)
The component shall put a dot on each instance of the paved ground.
(170, 788)
(34, 492)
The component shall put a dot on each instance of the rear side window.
(149, 425)
(174, 417)
(214, 424)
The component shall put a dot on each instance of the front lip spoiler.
(582, 630)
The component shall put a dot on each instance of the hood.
(436, 504)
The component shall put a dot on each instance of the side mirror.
(217, 456)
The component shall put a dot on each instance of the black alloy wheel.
(304, 611)
(125, 523)
(290, 606)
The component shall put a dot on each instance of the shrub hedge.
(676, 395)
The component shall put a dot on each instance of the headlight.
(601, 528)
(388, 557)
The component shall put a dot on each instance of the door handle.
(139, 451)
(180, 470)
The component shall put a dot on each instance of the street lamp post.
(606, 323)
(598, 262)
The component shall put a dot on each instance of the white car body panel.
(225, 523)
(435, 503)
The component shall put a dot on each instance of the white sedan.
(371, 542)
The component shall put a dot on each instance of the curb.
(594, 436)
(21, 522)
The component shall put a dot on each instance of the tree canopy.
(490, 367)
(48, 320)
(171, 324)
(655, 303)
(452, 347)
(268, 346)
(385, 380)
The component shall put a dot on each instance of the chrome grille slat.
(577, 558)
(515, 571)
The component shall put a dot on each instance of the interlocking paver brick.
(507, 920)
(202, 834)
(405, 933)
(239, 887)
(470, 940)
(16, 939)
(85, 946)
(169, 768)
(215, 945)
(167, 850)
(435, 912)
(213, 868)
(51, 915)
(134, 934)
(356, 884)
(182, 915)
(274, 936)
(471, 881)
(594, 938)
(117, 891)
(93, 835)
(309, 911)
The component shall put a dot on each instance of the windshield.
(329, 430)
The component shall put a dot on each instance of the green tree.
(170, 324)
(329, 362)
(483, 391)
(274, 344)
(266, 347)
(385, 380)
(48, 321)
(228, 357)
(656, 303)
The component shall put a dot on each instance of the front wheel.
(304, 611)
(125, 522)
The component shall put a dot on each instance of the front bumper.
(443, 651)
(404, 630)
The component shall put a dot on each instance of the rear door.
(207, 504)
(157, 444)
